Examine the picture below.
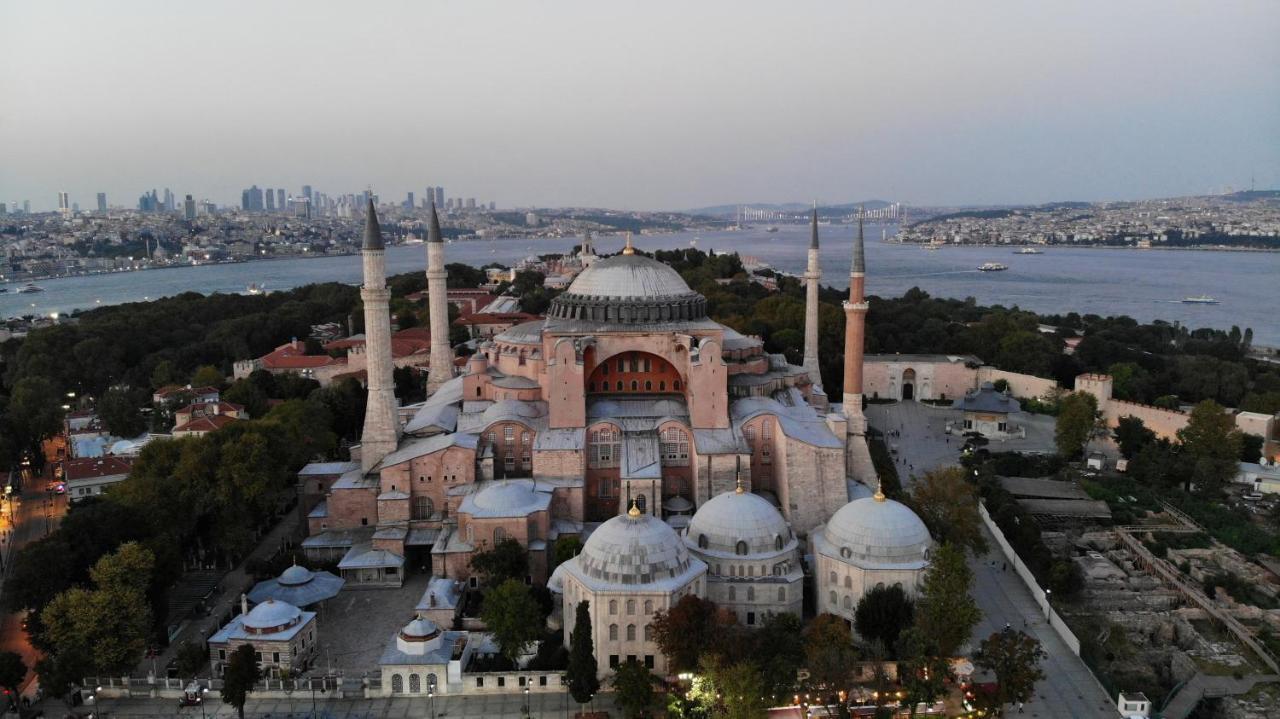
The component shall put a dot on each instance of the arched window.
(848, 603)
(397, 684)
(846, 552)
(631, 606)
(423, 508)
(635, 385)
(782, 594)
(834, 578)
(415, 684)
(741, 548)
(848, 583)
(648, 606)
(702, 541)
(832, 598)
(648, 632)
(431, 681)
(662, 385)
(619, 385)
(499, 534)
(676, 385)
(751, 594)
(777, 542)
(631, 632)
(613, 606)
(733, 592)
(879, 585)
(613, 632)
(648, 385)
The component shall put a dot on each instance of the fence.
(167, 688)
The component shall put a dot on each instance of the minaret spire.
(381, 430)
(441, 368)
(855, 317)
(812, 279)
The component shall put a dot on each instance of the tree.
(1076, 417)
(508, 560)
(1014, 658)
(12, 672)
(190, 658)
(1132, 435)
(164, 375)
(729, 691)
(119, 411)
(922, 671)
(582, 672)
(948, 504)
(35, 409)
(1212, 444)
(207, 376)
(633, 686)
(239, 677)
(513, 617)
(945, 612)
(693, 626)
(248, 395)
(778, 652)
(882, 614)
(829, 653)
(566, 548)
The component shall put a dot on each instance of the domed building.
(752, 557)
(631, 567)
(283, 637)
(422, 659)
(870, 542)
(298, 586)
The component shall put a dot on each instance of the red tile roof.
(205, 424)
(90, 467)
(290, 356)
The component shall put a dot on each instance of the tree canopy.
(945, 611)
(512, 615)
(948, 504)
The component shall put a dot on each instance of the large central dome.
(629, 289)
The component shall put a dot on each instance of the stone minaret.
(812, 278)
(855, 316)
(441, 369)
(381, 430)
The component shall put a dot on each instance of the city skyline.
(635, 107)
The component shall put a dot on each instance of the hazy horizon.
(640, 105)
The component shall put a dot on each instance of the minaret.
(812, 278)
(381, 430)
(441, 369)
(855, 316)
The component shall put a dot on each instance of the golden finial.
(628, 250)
(739, 489)
(634, 512)
(879, 495)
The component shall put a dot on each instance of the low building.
(1133, 704)
(987, 411)
(1263, 478)
(283, 637)
(93, 476)
(298, 586)
(186, 421)
(424, 660)
(173, 392)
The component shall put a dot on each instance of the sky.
(640, 105)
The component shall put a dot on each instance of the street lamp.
(204, 691)
(1048, 604)
(431, 699)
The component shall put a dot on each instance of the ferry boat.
(771, 229)
(1199, 300)
(1029, 251)
(29, 288)
(992, 267)
(255, 289)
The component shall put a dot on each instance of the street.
(1069, 689)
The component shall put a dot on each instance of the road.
(1069, 689)
(27, 517)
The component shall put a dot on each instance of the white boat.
(992, 267)
(255, 289)
(1029, 251)
(1199, 300)
(29, 288)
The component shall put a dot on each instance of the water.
(1144, 284)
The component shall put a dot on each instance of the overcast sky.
(640, 105)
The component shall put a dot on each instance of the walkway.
(1203, 685)
(1069, 688)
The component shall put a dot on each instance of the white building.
(752, 557)
(282, 636)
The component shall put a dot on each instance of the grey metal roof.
(364, 556)
(325, 468)
(619, 408)
(629, 276)
(355, 479)
(443, 417)
(813, 230)
(1045, 488)
(530, 413)
(719, 441)
(372, 233)
(523, 333)
(505, 498)
(335, 538)
(422, 446)
(634, 553)
(560, 439)
(875, 533)
(320, 511)
(798, 421)
(987, 399)
(421, 537)
(1082, 509)
(732, 517)
(441, 593)
(512, 381)
(573, 326)
(321, 586)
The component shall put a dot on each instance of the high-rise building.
(102, 202)
(493, 205)
(251, 199)
(189, 208)
(439, 196)
(64, 204)
(306, 191)
(471, 203)
(408, 202)
(169, 201)
(26, 207)
(280, 198)
(4, 209)
(271, 201)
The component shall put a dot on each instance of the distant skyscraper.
(408, 202)
(4, 209)
(471, 203)
(280, 202)
(26, 207)
(189, 208)
(271, 201)
(251, 199)
(439, 196)
(493, 205)
(306, 191)
(102, 202)
(64, 204)
(169, 201)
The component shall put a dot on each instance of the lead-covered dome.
(739, 524)
(295, 576)
(874, 531)
(271, 616)
(629, 289)
(634, 550)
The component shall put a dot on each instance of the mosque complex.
(687, 460)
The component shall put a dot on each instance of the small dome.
(727, 519)
(272, 615)
(294, 576)
(502, 496)
(420, 629)
(877, 531)
(633, 550)
(629, 276)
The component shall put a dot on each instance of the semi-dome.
(271, 616)
(738, 523)
(505, 498)
(634, 549)
(876, 531)
(295, 576)
(629, 289)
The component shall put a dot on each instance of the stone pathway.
(1204, 685)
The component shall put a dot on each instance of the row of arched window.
(751, 593)
(631, 606)
(416, 685)
(631, 632)
(635, 386)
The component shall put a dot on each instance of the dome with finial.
(875, 531)
(738, 523)
(634, 550)
(629, 288)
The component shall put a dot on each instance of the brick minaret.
(381, 430)
(441, 369)
(812, 278)
(855, 316)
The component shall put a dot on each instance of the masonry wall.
(1020, 385)
(1164, 422)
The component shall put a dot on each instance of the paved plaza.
(1069, 689)
(356, 625)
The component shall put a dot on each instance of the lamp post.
(1048, 603)
(204, 692)
(526, 696)
(431, 699)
